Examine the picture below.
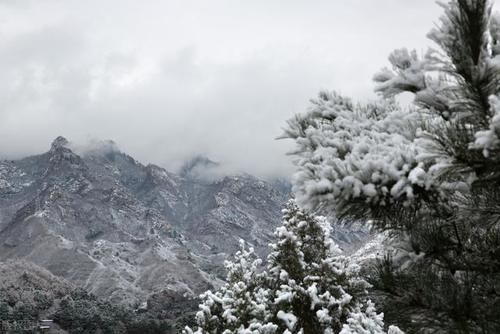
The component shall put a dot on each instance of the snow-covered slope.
(123, 230)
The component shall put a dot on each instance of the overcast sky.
(170, 79)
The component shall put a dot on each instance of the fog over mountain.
(169, 80)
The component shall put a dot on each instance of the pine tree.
(242, 304)
(307, 287)
(315, 284)
(428, 173)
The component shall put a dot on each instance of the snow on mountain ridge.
(123, 230)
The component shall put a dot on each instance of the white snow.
(288, 318)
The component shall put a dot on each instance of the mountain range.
(121, 229)
(126, 231)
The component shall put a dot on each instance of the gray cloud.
(167, 80)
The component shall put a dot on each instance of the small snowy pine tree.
(241, 306)
(308, 286)
(315, 284)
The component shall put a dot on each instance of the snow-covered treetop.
(407, 74)
(244, 266)
(458, 86)
(348, 152)
(456, 80)
(380, 155)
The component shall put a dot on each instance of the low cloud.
(171, 80)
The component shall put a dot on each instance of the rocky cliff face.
(123, 230)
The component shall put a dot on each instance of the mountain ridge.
(124, 230)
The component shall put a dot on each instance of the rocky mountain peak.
(64, 162)
(59, 151)
(59, 142)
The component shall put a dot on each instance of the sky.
(171, 79)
